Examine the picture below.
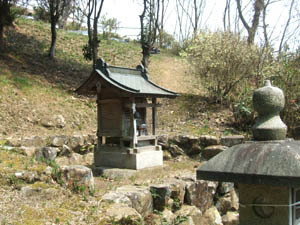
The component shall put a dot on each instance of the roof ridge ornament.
(268, 102)
(143, 70)
(103, 66)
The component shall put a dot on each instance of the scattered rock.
(225, 187)
(177, 188)
(47, 123)
(200, 193)
(175, 150)
(167, 216)
(116, 197)
(34, 141)
(76, 142)
(140, 197)
(27, 176)
(211, 217)
(207, 140)
(234, 200)
(167, 155)
(224, 204)
(48, 153)
(29, 191)
(231, 218)
(137, 197)
(212, 151)
(161, 195)
(59, 121)
(59, 141)
(163, 141)
(12, 141)
(118, 211)
(65, 151)
(28, 151)
(232, 140)
(78, 177)
(190, 211)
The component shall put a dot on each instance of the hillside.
(37, 98)
(35, 90)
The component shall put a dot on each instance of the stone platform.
(136, 159)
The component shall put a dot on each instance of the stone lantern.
(266, 170)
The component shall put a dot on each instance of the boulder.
(27, 176)
(234, 200)
(65, 151)
(47, 153)
(207, 140)
(167, 216)
(13, 141)
(201, 194)
(117, 212)
(224, 204)
(225, 187)
(59, 141)
(117, 198)
(161, 195)
(35, 141)
(140, 197)
(212, 151)
(191, 212)
(211, 217)
(28, 151)
(231, 218)
(76, 142)
(167, 155)
(163, 141)
(175, 150)
(232, 140)
(177, 188)
(137, 197)
(78, 177)
(29, 191)
(59, 121)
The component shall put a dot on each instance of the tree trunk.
(95, 41)
(1, 35)
(146, 57)
(53, 40)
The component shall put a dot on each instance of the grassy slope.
(33, 89)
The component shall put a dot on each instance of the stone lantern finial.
(268, 101)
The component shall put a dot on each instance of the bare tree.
(56, 8)
(93, 15)
(164, 7)
(191, 11)
(226, 16)
(149, 28)
(258, 7)
(286, 26)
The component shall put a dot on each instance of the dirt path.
(171, 72)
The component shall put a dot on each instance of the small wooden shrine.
(123, 95)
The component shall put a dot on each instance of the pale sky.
(127, 13)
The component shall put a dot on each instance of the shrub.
(287, 77)
(223, 61)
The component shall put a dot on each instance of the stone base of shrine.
(139, 158)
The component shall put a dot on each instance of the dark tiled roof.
(134, 81)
